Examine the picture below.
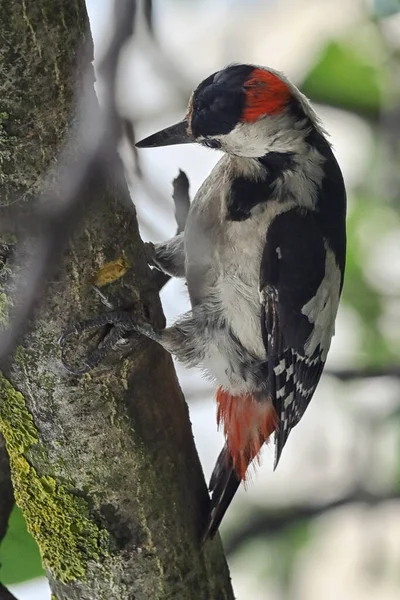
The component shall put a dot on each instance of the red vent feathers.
(266, 94)
(248, 423)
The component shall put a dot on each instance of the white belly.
(238, 294)
(223, 260)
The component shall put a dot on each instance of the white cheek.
(246, 140)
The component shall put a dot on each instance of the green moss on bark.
(59, 520)
(5, 306)
(7, 144)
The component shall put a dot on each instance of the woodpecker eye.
(211, 143)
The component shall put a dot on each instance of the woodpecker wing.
(300, 284)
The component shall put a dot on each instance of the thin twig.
(148, 16)
(272, 522)
(364, 373)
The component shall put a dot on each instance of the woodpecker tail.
(248, 422)
(223, 485)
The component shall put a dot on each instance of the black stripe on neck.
(277, 162)
(247, 193)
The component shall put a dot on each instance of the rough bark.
(104, 466)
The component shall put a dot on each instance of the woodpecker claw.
(108, 340)
(123, 327)
(77, 371)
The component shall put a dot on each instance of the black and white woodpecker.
(263, 254)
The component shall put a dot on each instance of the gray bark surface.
(104, 466)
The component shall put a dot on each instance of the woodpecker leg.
(179, 339)
(94, 358)
(168, 256)
(122, 332)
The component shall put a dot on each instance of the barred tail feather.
(223, 485)
(248, 423)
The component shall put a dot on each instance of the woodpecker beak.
(175, 134)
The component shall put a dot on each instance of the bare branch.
(364, 373)
(148, 15)
(272, 522)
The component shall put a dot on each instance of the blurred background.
(327, 523)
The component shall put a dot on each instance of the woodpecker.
(263, 255)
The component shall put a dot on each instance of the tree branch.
(364, 373)
(273, 521)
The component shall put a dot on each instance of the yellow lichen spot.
(16, 423)
(112, 271)
(58, 518)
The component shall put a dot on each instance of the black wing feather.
(292, 269)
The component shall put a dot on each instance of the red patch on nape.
(247, 423)
(266, 94)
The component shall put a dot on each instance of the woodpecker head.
(242, 110)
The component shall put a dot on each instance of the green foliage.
(293, 540)
(367, 223)
(385, 8)
(342, 77)
(19, 554)
(395, 422)
(270, 557)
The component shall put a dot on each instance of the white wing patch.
(279, 369)
(322, 308)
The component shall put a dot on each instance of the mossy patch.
(58, 519)
(7, 141)
(5, 306)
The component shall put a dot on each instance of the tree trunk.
(104, 466)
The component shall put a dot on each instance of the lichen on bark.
(60, 521)
(5, 307)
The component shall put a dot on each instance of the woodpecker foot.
(112, 329)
